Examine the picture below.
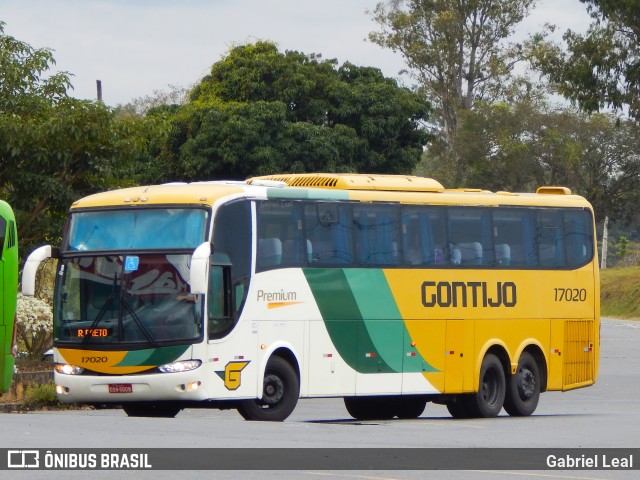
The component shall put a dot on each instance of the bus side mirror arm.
(31, 267)
(200, 261)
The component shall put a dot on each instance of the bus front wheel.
(151, 410)
(523, 391)
(410, 406)
(280, 392)
(370, 408)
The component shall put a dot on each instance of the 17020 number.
(570, 294)
(95, 359)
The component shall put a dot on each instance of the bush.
(34, 325)
(40, 395)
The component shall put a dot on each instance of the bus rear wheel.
(523, 391)
(280, 392)
(461, 407)
(151, 410)
(489, 399)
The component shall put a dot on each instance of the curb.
(11, 408)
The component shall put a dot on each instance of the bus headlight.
(67, 369)
(183, 366)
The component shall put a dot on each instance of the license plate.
(120, 388)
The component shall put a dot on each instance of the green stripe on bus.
(311, 194)
(384, 321)
(152, 356)
(344, 321)
(379, 313)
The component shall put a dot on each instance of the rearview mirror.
(200, 269)
(30, 269)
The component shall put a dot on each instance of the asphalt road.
(606, 415)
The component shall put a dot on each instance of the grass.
(620, 292)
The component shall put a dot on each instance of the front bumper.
(181, 386)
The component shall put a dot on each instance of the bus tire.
(410, 406)
(370, 408)
(489, 399)
(359, 408)
(523, 390)
(151, 410)
(460, 407)
(280, 392)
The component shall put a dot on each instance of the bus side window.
(220, 317)
(376, 232)
(3, 231)
(578, 238)
(328, 229)
(280, 235)
(424, 235)
(510, 247)
(239, 291)
(470, 234)
(269, 253)
(550, 239)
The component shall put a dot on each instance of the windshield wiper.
(103, 310)
(137, 321)
(124, 303)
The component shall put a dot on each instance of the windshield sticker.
(131, 264)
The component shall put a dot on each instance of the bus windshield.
(133, 299)
(136, 229)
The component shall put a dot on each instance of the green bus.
(9, 289)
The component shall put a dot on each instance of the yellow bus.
(388, 291)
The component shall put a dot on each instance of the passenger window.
(549, 238)
(328, 230)
(424, 239)
(269, 253)
(376, 230)
(470, 237)
(513, 238)
(578, 237)
(280, 235)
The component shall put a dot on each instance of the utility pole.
(605, 240)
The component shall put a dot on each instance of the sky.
(136, 47)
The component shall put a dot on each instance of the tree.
(457, 50)
(175, 95)
(261, 111)
(496, 144)
(609, 174)
(22, 67)
(602, 67)
(509, 146)
(53, 148)
(521, 146)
